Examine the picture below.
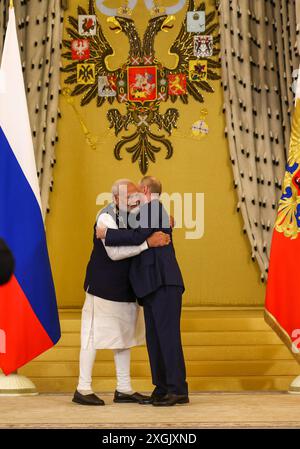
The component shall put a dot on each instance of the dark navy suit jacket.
(155, 267)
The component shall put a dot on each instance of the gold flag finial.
(11, 3)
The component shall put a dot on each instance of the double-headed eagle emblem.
(141, 82)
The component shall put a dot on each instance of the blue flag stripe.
(21, 225)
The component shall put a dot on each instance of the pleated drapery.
(259, 56)
(40, 33)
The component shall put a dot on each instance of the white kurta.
(113, 324)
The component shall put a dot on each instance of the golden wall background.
(217, 269)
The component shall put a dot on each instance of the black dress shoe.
(171, 399)
(87, 399)
(137, 398)
(156, 397)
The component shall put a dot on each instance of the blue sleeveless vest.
(106, 278)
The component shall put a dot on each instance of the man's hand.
(158, 239)
(101, 232)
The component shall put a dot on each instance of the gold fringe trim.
(20, 391)
(294, 389)
(282, 334)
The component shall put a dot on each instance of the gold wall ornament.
(92, 140)
(86, 74)
(142, 81)
(155, 7)
(200, 127)
(124, 10)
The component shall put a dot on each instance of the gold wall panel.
(217, 268)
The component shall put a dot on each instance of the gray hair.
(117, 184)
(153, 183)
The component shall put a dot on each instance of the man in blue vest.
(110, 315)
(157, 282)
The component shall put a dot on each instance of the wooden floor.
(225, 350)
(206, 410)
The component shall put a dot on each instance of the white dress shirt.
(118, 252)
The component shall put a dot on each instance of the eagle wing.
(99, 50)
(183, 48)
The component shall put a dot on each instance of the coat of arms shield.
(142, 83)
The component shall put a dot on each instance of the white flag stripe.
(14, 117)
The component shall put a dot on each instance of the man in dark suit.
(157, 282)
(6, 263)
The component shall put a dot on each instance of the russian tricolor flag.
(29, 323)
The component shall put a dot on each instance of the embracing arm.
(127, 237)
(119, 252)
(158, 234)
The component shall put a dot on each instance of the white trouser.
(86, 363)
